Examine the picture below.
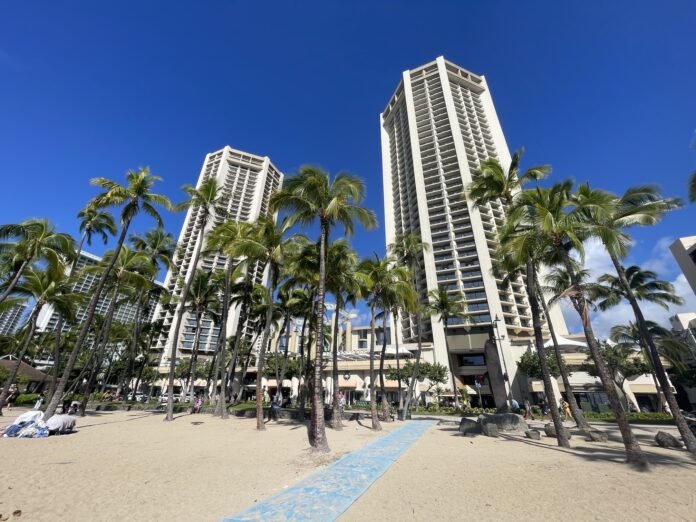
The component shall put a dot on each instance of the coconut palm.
(493, 182)
(408, 251)
(311, 196)
(203, 204)
(344, 281)
(34, 240)
(133, 197)
(609, 291)
(45, 288)
(225, 238)
(553, 217)
(95, 221)
(607, 217)
(446, 307)
(203, 301)
(268, 247)
(692, 187)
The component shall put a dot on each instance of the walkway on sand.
(326, 494)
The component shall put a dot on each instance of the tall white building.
(684, 251)
(11, 318)
(437, 128)
(124, 313)
(247, 183)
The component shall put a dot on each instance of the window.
(471, 360)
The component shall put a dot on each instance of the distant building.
(247, 182)
(125, 312)
(684, 251)
(10, 319)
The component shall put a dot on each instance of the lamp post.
(499, 345)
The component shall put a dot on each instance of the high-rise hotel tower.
(247, 182)
(437, 128)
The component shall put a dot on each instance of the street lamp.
(499, 346)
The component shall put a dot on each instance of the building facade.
(437, 128)
(124, 312)
(10, 319)
(684, 251)
(247, 182)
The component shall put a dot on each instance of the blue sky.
(604, 93)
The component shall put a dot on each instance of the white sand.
(445, 476)
(135, 466)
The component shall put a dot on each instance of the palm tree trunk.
(31, 328)
(134, 343)
(14, 281)
(395, 313)
(191, 377)
(382, 388)
(214, 369)
(179, 318)
(229, 371)
(56, 358)
(302, 384)
(260, 425)
(222, 340)
(416, 367)
(317, 429)
(373, 399)
(455, 391)
(100, 343)
(574, 408)
(634, 455)
(686, 433)
(336, 413)
(84, 330)
(284, 366)
(276, 369)
(541, 352)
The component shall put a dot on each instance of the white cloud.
(660, 261)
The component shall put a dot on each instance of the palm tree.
(492, 182)
(344, 281)
(447, 307)
(609, 291)
(135, 196)
(309, 196)
(203, 203)
(606, 217)
(692, 187)
(408, 250)
(267, 247)
(517, 254)
(558, 222)
(95, 221)
(36, 240)
(224, 238)
(45, 288)
(203, 300)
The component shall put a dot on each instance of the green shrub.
(26, 399)
(638, 417)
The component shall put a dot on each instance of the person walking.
(12, 397)
(528, 412)
(566, 410)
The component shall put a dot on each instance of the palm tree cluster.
(543, 238)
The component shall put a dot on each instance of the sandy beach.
(134, 466)
(445, 476)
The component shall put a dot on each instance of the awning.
(389, 384)
(562, 341)
(643, 388)
(350, 383)
(272, 383)
(537, 386)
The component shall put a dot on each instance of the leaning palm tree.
(34, 240)
(607, 217)
(558, 221)
(45, 288)
(408, 251)
(203, 204)
(135, 196)
(447, 307)
(311, 196)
